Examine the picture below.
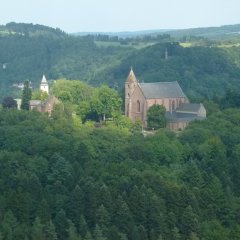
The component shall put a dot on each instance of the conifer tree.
(83, 227)
(88, 236)
(50, 232)
(72, 231)
(26, 96)
(8, 225)
(102, 216)
(98, 235)
(61, 224)
(37, 230)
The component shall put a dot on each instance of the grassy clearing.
(186, 44)
(118, 44)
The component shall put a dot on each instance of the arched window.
(138, 106)
(173, 105)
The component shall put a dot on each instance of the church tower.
(44, 85)
(130, 85)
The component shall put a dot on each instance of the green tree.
(43, 211)
(8, 226)
(97, 233)
(102, 217)
(88, 236)
(189, 221)
(72, 231)
(156, 117)
(37, 230)
(9, 102)
(39, 95)
(83, 227)
(26, 96)
(175, 234)
(61, 224)
(76, 204)
(105, 101)
(50, 232)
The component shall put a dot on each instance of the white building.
(44, 85)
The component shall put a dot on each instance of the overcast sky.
(121, 15)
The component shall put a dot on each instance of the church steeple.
(131, 77)
(44, 85)
(130, 85)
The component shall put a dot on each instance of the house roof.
(35, 102)
(189, 107)
(182, 117)
(162, 90)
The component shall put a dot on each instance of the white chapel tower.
(44, 85)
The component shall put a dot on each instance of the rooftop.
(189, 107)
(162, 90)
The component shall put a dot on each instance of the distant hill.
(29, 29)
(125, 34)
(28, 51)
(225, 31)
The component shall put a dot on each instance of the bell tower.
(130, 85)
(44, 85)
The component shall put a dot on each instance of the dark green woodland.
(87, 172)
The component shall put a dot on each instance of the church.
(139, 97)
(47, 105)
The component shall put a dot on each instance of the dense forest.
(63, 180)
(87, 172)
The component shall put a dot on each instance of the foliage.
(39, 95)
(26, 96)
(203, 71)
(89, 103)
(105, 101)
(9, 102)
(65, 177)
(62, 181)
(156, 117)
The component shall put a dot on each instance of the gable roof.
(162, 90)
(44, 80)
(131, 77)
(189, 107)
(182, 117)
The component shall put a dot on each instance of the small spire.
(131, 76)
(44, 80)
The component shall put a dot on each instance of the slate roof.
(35, 102)
(162, 90)
(189, 107)
(182, 117)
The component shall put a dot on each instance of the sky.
(123, 15)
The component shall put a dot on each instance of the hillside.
(27, 54)
(204, 68)
(62, 180)
(88, 172)
(221, 32)
(202, 71)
